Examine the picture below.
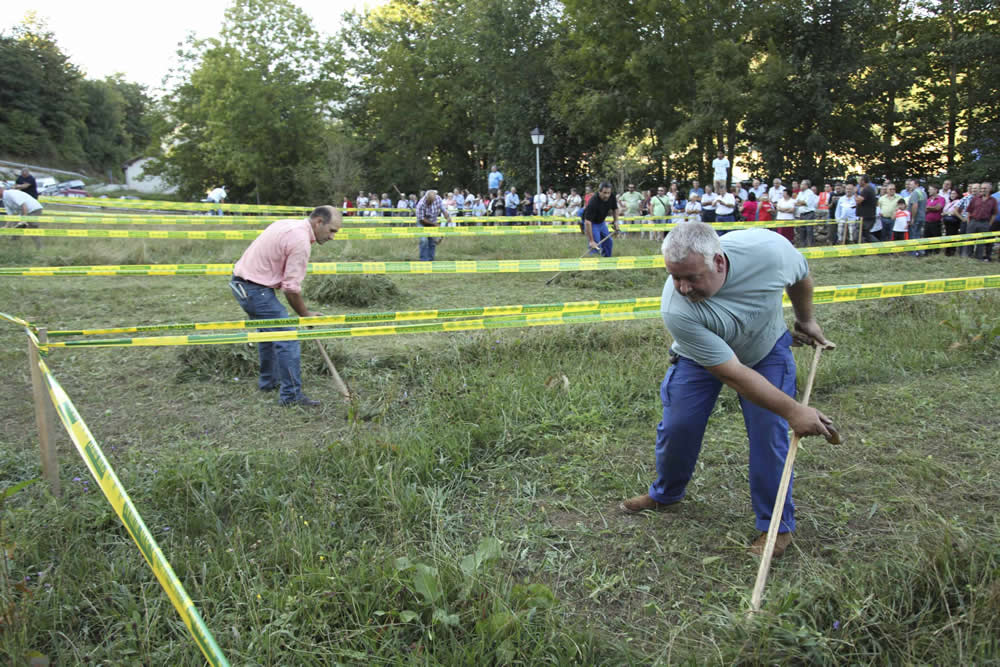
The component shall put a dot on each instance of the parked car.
(46, 185)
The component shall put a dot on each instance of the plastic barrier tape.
(140, 204)
(348, 233)
(482, 266)
(834, 294)
(15, 320)
(369, 318)
(126, 511)
(197, 218)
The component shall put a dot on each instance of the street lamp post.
(538, 139)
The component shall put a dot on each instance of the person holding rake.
(722, 304)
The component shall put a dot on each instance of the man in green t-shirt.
(660, 206)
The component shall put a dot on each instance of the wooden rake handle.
(779, 501)
(337, 380)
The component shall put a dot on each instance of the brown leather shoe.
(642, 503)
(780, 544)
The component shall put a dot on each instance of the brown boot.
(642, 503)
(780, 544)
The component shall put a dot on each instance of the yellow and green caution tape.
(113, 490)
(647, 310)
(369, 318)
(485, 266)
(15, 320)
(141, 204)
(346, 233)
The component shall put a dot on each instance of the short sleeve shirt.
(920, 199)
(279, 257)
(745, 318)
(631, 200)
(32, 189)
(720, 168)
(866, 209)
(13, 200)
(597, 209)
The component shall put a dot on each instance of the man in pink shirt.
(277, 259)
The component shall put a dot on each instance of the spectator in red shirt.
(749, 211)
(932, 217)
(982, 209)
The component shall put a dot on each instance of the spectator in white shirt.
(692, 212)
(540, 202)
(720, 168)
(774, 194)
(785, 206)
(846, 215)
(708, 205)
(805, 209)
(725, 207)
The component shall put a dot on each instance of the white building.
(136, 179)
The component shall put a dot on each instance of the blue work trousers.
(280, 361)
(600, 231)
(428, 246)
(688, 394)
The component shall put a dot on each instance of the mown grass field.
(465, 510)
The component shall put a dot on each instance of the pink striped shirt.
(278, 257)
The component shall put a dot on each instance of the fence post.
(45, 417)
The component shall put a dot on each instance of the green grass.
(465, 510)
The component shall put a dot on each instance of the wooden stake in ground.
(44, 418)
(779, 501)
(341, 386)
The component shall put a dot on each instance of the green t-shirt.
(632, 200)
(659, 206)
(745, 317)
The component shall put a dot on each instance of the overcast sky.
(140, 39)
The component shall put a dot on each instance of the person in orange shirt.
(825, 212)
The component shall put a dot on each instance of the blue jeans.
(917, 232)
(728, 217)
(688, 394)
(280, 361)
(428, 245)
(600, 231)
(806, 234)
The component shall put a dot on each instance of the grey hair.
(692, 237)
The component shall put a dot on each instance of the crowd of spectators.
(854, 211)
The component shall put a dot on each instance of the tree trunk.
(952, 92)
(700, 147)
(731, 153)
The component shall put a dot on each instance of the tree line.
(415, 93)
(50, 113)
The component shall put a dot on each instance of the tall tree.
(41, 110)
(252, 104)
(446, 89)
